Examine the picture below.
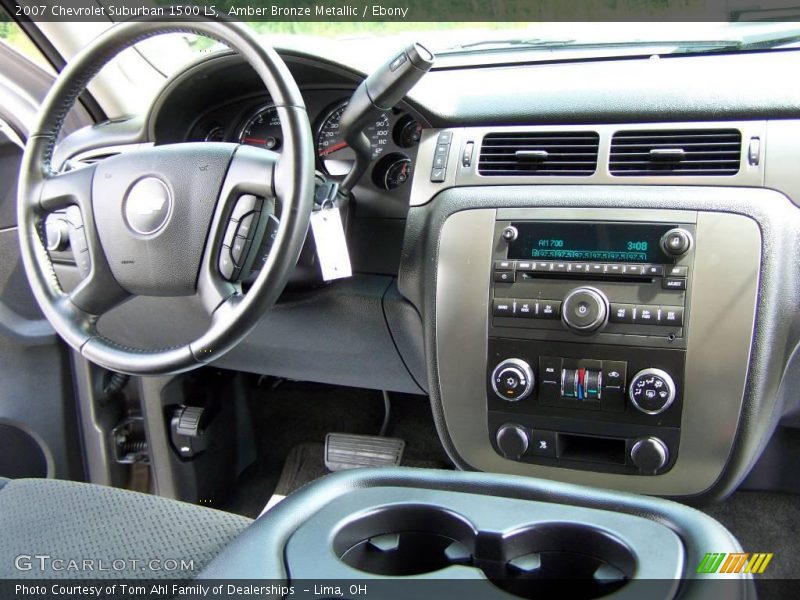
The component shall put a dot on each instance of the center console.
(594, 335)
(399, 533)
(587, 345)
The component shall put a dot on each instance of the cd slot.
(583, 276)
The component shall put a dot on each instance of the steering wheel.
(154, 221)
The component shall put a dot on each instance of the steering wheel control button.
(512, 380)
(652, 391)
(56, 232)
(226, 266)
(148, 206)
(512, 440)
(649, 455)
(585, 310)
(676, 242)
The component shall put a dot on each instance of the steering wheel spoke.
(70, 188)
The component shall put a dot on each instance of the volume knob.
(585, 310)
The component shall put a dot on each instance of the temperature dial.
(512, 380)
(652, 391)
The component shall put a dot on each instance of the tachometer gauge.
(263, 129)
(335, 156)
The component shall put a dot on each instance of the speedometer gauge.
(335, 156)
(263, 129)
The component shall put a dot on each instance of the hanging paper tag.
(332, 253)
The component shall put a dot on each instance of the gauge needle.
(333, 148)
(251, 140)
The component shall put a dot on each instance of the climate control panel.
(585, 406)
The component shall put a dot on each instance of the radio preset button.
(543, 266)
(613, 269)
(633, 269)
(504, 265)
(560, 267)
(524, 265)
(621, 313)
(596, 268)
(579, 268)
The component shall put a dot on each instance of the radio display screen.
(603, 242)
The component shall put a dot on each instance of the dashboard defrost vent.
(539, 153)
(675, 152)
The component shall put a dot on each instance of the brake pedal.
(348, 451)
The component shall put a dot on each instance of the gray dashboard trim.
(726, 262)
(457, 174)
(775, 333)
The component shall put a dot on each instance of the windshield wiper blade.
(513, 43)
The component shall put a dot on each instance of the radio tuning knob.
(512, 440)
(649, 455)
(676, 242)
(512, 380)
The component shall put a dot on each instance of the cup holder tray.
(516, 548)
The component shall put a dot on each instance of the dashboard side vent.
(539, 153)
(675, 152)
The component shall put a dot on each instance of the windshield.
(532, 41)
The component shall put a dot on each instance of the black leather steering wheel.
(154, 219)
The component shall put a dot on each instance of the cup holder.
(534, 562)
(405, 540)
(539, 559)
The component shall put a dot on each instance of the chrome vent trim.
(680, 152)
(539, 153)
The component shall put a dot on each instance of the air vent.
(675, 152)
(540, 153)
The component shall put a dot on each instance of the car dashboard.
(589, 266)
